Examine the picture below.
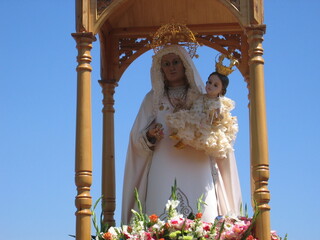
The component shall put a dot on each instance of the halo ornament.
(175, 33)
(223, 69)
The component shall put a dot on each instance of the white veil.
(157, 79)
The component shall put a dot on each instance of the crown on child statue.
(175, 33)
(225, 70)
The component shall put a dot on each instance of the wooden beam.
(228, 28)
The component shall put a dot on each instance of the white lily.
(173, 204)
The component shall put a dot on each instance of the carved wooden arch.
(226, 44)
(131, 49)
(138, 44)
(106, 8)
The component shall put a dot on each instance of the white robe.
(153, 172)
(190, 168)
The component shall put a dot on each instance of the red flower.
(153, 218)
(126, 235)
(199, 215)
(166, 225)
(107, 236)
(250, 237)
(206, 228)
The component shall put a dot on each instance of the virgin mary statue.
(153, 164)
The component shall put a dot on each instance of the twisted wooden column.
(258, 132)
(108, 162)
(83, 164)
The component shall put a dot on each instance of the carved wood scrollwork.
(129, 46)
(102, 5)
(227, 43)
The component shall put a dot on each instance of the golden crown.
(175, 33)
(222, 69)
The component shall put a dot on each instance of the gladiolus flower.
(199, 215)
(173, 204)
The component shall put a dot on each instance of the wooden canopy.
(125, 29)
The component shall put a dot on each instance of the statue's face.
(214, 86)
(173, 70)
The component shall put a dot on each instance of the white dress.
(207, 126)
(191, 169)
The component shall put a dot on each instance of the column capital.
(108, 89)
(81, 35)
(104, 82)
(259, 27)
(255, 39)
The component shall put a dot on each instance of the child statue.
(208, 125)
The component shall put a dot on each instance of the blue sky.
(37, 117)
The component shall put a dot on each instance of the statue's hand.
(155, 132)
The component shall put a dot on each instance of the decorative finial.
(222, 69)
(175, 33)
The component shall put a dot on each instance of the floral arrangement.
(176, 227)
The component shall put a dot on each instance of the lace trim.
(194, 128)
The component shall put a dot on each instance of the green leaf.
(254, 218)
(96, 203)
(221, 230)
(174, 190)
(103, 226)
(246, 210)
(187, 237)
(200, 203)
(191, 216)
(175, 234)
